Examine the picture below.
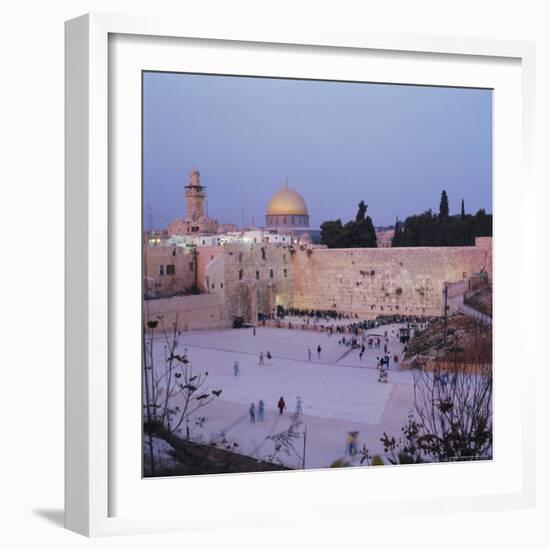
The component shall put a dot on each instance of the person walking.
(261, 410)
(252, 413)
(299, 408)
(261, 358)
(349, 444)
(253, 331)
(268, 355)
(319, 351)
(236, 370)
(281, 405)
(309, 354)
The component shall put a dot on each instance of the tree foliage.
(450, 422)
(430, 229)
(444, 206)
(174, 391)
(331, 233)
(358, 233)
(453, 415)
(285, 442)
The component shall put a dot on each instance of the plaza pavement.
(339, 392)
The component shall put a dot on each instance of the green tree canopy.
(332, 233)
(429, 229)
(354, 234)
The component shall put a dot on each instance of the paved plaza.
(339, 391)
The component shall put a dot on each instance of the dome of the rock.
(287, 201)
(287, 208)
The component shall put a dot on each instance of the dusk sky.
(395, 147)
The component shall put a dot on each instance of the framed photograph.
(292, 283)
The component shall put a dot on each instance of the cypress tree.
(397, 234)
(444, 206)
(462, 212)
(362, 210)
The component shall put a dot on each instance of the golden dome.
(287, 202)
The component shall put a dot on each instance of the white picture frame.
(92, 226)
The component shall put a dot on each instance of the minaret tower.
(195, 196)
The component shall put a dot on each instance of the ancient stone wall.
(371, 282)
(205, 256)
(258, 277)
(487, 244)
(245, 280)
(200, 312)
(168, 270)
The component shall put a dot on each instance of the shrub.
(377, 461)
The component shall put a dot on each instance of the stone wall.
(487, 244)
(205, 256)
(199, 312)
(244, 280)
(168, 270)
(257, 278)
(371, 282)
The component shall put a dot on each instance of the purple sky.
(396, 147)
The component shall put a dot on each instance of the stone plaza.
(340, 392)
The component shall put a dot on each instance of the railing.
(475, 314)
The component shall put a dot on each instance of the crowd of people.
(330, 320)
(333, 315)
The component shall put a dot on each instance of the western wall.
(244, 280)
(380, 281)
